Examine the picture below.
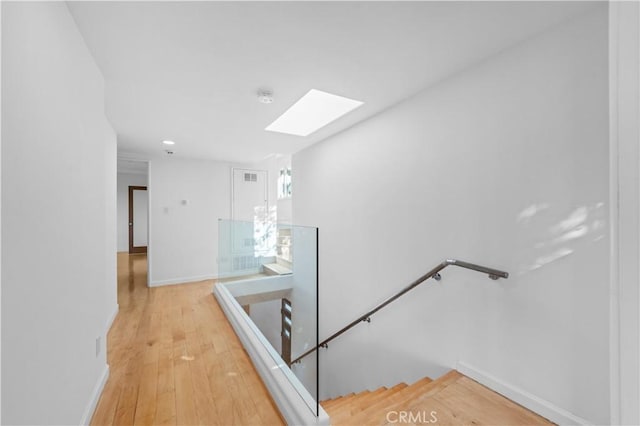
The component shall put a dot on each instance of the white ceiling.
(190, 71)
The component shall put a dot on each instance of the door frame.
(133, 249)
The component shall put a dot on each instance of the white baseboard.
(536, 404)
(111, 319)
(95, 397)
(182, 280)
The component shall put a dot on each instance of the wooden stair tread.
(453, 398)
(379, 415)
(337, 398)
(481, 405)
(331, 402)
(367, 400)
(436, 386)
(399, 397)
(337, 402)
(374, 400)
(347, 410)
(389, 392)
(349, 400)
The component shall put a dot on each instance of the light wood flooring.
(175, 360)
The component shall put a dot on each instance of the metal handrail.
(494, 274)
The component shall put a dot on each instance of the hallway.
(175, 360)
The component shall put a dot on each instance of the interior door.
(138, 208)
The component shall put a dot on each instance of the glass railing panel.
(272, 271)
(304, 303)
(243, 247)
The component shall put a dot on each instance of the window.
(284, 183)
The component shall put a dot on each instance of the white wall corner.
(95, 397)
(528, 400)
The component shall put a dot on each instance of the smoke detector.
(265, 96)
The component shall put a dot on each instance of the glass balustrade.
(272, 272)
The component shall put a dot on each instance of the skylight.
(313, 111)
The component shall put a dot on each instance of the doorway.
(138, 227)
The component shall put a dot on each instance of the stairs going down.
(452, 399)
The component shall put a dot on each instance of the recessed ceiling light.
(314, 110)
(168, 142)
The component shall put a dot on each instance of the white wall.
(624, 73)
(124, 181)
(183, 239)
(505, 165)
(58, 218)
(266, 316)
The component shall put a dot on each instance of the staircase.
(452, 399)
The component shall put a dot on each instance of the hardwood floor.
(175, 360)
